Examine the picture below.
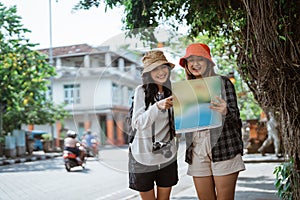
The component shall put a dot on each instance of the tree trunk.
(269, 62)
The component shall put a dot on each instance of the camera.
(163, 148)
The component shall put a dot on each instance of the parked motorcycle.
(71, 160)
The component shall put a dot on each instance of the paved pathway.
(255, 183)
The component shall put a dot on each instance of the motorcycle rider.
(88, 138)
(91, 142)
(70, 144)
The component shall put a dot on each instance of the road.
(107, 179)
(48, 179)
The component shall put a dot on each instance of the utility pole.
(51, 63)
(50, 34)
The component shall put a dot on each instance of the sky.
(94, 26)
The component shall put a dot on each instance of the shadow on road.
(50, 164)
(255, 188)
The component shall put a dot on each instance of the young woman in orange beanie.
(214, 155)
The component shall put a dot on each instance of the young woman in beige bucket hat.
(153, 151)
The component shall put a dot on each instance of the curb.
(264, 161)
(258, 158)
(29, 158)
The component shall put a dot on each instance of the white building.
(96, 84)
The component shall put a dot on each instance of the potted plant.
(29, 142)
(46, 139)
(63, 134)
(10, 146)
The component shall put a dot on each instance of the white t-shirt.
(70, 142)
(142, 120)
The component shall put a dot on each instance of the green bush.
(285, 173)
(46, 136)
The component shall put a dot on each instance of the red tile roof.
(72, 49)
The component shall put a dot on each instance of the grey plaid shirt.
(227, 140)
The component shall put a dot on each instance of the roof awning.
(38, 132)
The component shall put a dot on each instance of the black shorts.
(74, 150)
(142, 178)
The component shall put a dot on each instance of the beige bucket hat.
(153, 59)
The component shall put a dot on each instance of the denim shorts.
(142, 178)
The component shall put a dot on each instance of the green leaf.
(282, 38)
(277, 183)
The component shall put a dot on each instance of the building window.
(116, 94)
(78, 63)
(72, 94)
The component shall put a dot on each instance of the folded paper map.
(191, 104)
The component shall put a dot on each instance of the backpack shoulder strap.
(131, 135)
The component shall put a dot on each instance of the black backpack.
(131, 131)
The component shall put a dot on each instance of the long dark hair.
(151, 90)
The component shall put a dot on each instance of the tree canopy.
(264, 35)
(25, 77)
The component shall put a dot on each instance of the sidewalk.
(255, 183)
(41, 155)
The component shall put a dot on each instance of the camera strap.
(153, 132)
(170, 128)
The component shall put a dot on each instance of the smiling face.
(160, 74)
(197, 65)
